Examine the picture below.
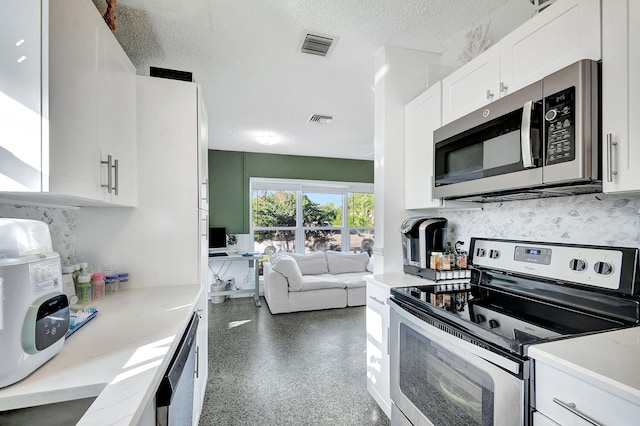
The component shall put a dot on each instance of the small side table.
(253, 260)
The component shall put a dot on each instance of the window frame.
(302, 186)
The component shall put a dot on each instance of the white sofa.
(320, 280)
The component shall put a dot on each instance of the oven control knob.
(480, 319)
(481, 252)
(578, 265)
(494, 254)
(603, 268)
(494, 323)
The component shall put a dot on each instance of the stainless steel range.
(459, 352)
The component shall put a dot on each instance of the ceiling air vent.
(316, 45)
(320, 119)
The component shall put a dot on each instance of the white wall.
(501, 22)
(400, 75)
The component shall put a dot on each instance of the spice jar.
(83, 289)
(97, 285)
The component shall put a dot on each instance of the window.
(306, 216)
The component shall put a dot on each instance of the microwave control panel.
(560, 127)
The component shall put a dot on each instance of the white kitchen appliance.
(34, 312)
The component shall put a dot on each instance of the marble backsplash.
(611, 220)
(62, 225)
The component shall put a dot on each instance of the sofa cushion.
(352, 279)
(288, 267)
(320, 281)
(312, 263)
(340, 263)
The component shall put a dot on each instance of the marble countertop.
(119, 356)
(606, 360)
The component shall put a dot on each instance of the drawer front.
(377, 295)
(565, 400)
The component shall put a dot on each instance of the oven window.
(445, 388)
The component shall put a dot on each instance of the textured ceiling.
(246, 55)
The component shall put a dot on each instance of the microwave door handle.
(525, 135)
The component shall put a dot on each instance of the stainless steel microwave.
(540, 141)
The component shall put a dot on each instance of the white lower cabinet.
(201, 374)
(621, 96)
(567, 400)
(378, 369)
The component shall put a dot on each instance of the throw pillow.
(312, 263)
(288, 267)
(370, 264)
(341, 263)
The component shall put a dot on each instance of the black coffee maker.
(422, 236)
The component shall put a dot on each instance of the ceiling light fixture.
(267, 138)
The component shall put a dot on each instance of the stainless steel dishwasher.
(174, 398)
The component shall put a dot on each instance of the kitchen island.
(119, 357)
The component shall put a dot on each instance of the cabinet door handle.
(375, 299)
(572, 407)
(503, 87)
(388, 341)
(197, 372)
(115, 180)
(489, 94)
(610, 144)
(204, 227)
(109, 173)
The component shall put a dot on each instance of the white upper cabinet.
(471, 86)
(117, 120)
(564, 33)
(621, 96)
(20, 102)
(73, 102)
(203, 152)
(421, 117)
(67, 101)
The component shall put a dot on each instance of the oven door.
(440, 379)
(495, 148)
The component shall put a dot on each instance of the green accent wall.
(229, 173)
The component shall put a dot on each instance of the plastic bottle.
(68, 285)
(83, 289)
(76, 272)
(112, 283)
(123, 279)
(97, 285)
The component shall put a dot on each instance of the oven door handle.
(525, 135)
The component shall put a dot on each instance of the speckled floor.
(306, 368)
